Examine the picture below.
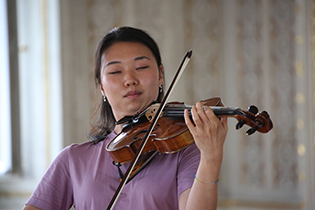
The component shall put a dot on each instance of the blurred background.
(247, 52)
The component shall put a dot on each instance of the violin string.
(179, 111)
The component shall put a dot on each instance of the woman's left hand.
(209, 131)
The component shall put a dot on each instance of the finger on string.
(201, 112)
(210, 114)
(195, 112)
(188, 121)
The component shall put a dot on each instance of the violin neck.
(219, 111)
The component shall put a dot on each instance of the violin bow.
(149, 131)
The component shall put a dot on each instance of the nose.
(130, 79)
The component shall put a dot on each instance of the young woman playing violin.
(130, 76)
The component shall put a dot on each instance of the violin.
(171, 134)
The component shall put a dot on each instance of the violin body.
(124, 146)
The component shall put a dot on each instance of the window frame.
(36, 96)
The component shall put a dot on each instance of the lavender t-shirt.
(83, 175)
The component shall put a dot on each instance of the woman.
(130, 75)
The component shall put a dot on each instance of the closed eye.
(142, 67)
(114, 72)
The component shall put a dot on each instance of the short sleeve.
(55, 188)
(187, 168)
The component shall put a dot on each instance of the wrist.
(211, 157)
(209, 183)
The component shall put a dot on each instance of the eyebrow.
(111, 63)
(136, 59)
(141, 57)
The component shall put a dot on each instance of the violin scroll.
(258, 121)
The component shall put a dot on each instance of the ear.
(161, 74)
(102, 90)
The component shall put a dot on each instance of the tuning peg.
(240, 124)
(251, 130)
(253, 109)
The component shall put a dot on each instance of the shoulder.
(82, 147)
(84, 150)
(73, 159)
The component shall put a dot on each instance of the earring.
(161, 88)
(104, 98)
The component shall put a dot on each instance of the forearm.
(209, 133)
(204, 192)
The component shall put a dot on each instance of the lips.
(133, 94)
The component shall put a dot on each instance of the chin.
(133, 109)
